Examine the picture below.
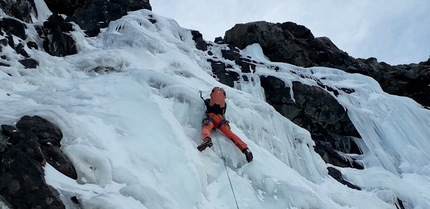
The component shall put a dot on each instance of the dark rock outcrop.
(49, 137)
(66, 7)
(14, 27)
(56, 38)
(29, 63)
(336, 174)
(96, 14)
(26, 148)
(20, 9)
(22, 182)
(89, 15)
(55, 32)
(278, 41)
(317, 111)
(198, 38)
(411, 80)
(11, 28)
(295, 44)
(222, 73)
(246, 64)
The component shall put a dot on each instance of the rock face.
(20, 9)
(56, 39)
(25, 149)
(55, 32)
(295, 44)
(317, 111)
(288, 42)
(96, 14)
(10, 28)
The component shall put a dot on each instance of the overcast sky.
(393, 31)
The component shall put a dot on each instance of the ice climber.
(215, 110)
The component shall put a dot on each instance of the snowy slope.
(129, 108)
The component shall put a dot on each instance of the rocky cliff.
(295, 44)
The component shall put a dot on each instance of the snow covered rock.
(97, 14)
(292, 43)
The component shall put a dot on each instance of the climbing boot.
(248, 154)
(206, 143)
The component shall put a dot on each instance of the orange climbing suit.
(218, 121)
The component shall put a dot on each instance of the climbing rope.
(226, 171)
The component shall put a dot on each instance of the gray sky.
(393, 31)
